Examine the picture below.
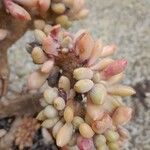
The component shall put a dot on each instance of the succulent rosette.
(58, 11)
(83, 105)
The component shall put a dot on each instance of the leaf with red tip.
(17, 11)
(114, 68)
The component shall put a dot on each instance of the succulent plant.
(58, 11)
(83, 102)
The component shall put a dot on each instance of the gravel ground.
(125, 23)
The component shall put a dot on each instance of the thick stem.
(24, 104)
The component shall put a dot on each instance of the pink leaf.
(44, 5)
(114, 68)
(50, 46)
(17, 11)
(27, 3)
(85, 144)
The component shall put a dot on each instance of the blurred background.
(125, 23)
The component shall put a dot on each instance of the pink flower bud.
(17, 11)
(114, 68)
(84, 143)
(122, 115)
